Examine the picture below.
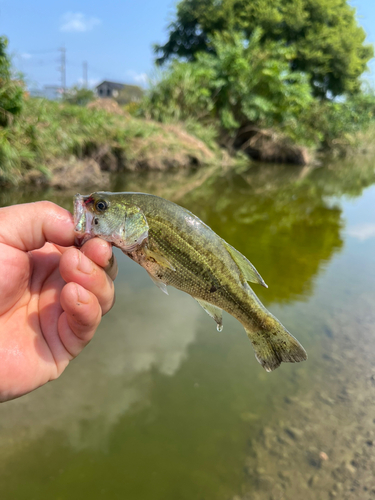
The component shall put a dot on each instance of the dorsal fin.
(247, 269)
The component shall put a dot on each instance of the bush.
(11, 91)
(240, 82)
(333, 124)
(79, 96)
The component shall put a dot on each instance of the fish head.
(109, 216)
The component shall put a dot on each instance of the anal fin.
(215, 312)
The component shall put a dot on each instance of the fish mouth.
(82, 220)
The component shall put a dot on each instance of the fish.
(177, 249)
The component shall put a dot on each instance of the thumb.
(29, 226)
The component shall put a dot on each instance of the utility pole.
(85, 79)
(63, 69)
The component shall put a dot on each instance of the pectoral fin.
(247, 269)
(159, 259)
(135, 229)
(215, 312)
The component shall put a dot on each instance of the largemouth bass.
(178, 249)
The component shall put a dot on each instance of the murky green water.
(160, 405)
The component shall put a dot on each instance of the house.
(109, 89)
(121, 91)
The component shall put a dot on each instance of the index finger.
(29, 226)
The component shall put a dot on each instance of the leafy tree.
(327, 40)
(239, 82)
(11, 91)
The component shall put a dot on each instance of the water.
(162, 406)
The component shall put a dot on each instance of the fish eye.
(101, 205)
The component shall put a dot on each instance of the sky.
(114, 38)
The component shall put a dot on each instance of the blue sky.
(114, 37)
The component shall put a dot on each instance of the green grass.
(46, 131)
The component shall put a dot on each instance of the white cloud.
(362, 232)
(25, 55)
(78, 22)
(140, 78)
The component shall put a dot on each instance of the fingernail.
(84, 264)
(83, 295)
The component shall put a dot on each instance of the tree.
(11, 91)
(327, 40)
(239, 83)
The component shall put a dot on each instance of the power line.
(46, 51)
(63, 64)
(38, 62)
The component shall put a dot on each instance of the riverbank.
(61, 145)
(64, 146)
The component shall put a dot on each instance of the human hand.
(52, 295)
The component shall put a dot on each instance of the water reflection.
(285, 220)
(159, 394)
(362, 232)
(130, 344)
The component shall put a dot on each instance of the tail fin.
(275, 346)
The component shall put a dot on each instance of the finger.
(100, 252)
(112, 268)
(80, 319)
(77, 268)
(27, 227)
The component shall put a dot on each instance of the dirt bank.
(169, 147)
(269, 146)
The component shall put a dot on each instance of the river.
(162, 406)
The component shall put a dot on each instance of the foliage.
(11, 91)
(328, 43)
(239, 82)
(336, 124)
(133, 108)
(80, 96)
(129, 94)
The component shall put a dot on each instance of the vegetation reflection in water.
(161, 405)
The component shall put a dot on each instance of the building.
(109, 89)
(122, 92)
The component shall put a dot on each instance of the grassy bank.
(47, 134)
(62, 145)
